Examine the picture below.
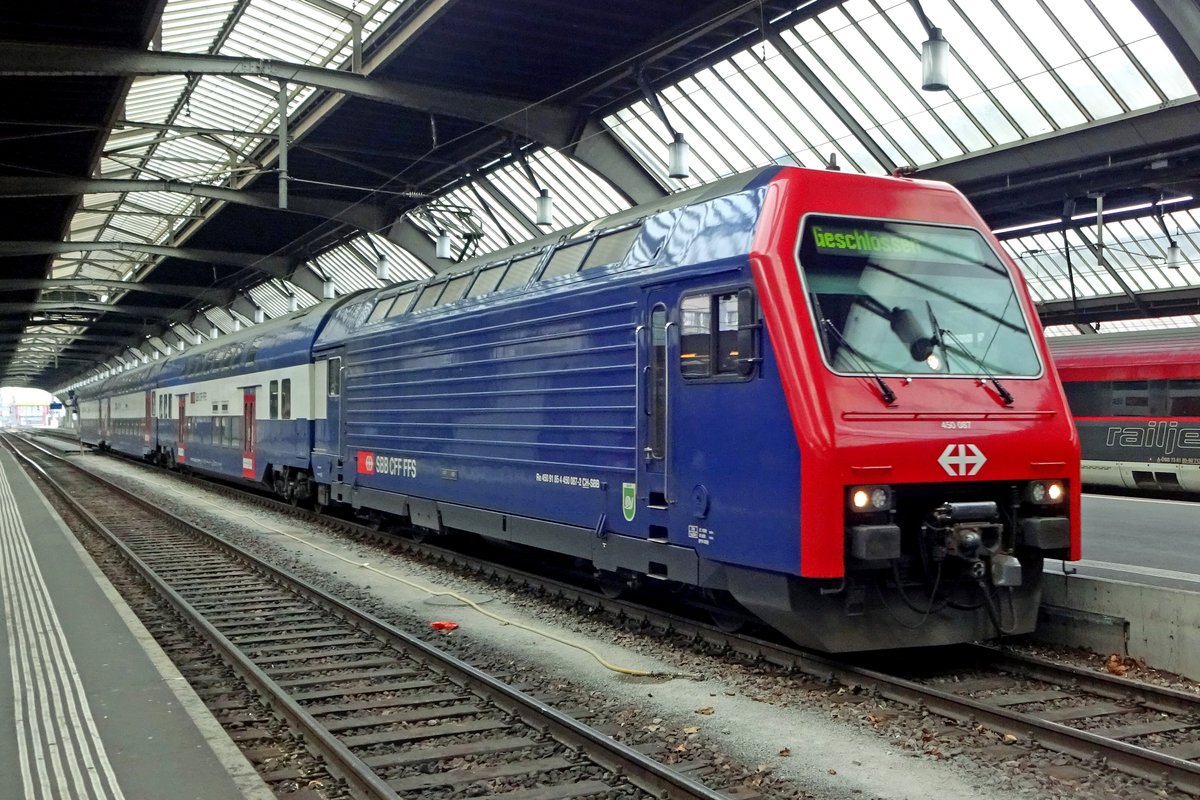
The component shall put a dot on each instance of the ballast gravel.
(746, 726)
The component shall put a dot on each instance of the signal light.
(1044, 492)
(870, 498)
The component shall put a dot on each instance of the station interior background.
(146, 183)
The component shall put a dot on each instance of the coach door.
(327, 436)
(249, 467)
(146, 437)
(181, 435)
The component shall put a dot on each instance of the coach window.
(285, 399)
(566, 260)
(1184, 398)
(488, 280)
(520, 271)
(1089, 398)
(274, 403)
(380, 310)
(1130, 398)
(455, 288)
(334, 382)
(695, 336)
(429, 296)
(611, 248)
(403, 300)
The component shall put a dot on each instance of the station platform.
(91, 707)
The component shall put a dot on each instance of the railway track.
(1134, 727)
(390, 714)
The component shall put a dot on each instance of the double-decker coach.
(241, 407)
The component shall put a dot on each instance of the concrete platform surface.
(90, 706)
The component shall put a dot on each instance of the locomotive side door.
(249, 468)
(648, 500)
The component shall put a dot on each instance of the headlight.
(870, 498)
(1044, 493)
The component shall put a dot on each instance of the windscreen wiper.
(937, 335)
(1000, 390)
(889, 396)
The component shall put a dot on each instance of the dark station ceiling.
(447, 91)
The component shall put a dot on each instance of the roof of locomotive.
(635, 239)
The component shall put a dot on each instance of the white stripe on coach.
(38, 645)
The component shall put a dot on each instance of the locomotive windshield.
(912, 299)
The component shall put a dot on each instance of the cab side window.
(708, 344)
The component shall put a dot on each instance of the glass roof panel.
(150, 99)
(1027, 74)
(403, 266)
(588, 195)
(191, 26)
(1097, 100)
(1135, 249)
(348, 270)
(1020, 70)
(1169, 77)
(1116, 326)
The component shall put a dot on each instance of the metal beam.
(309, 281)
(1149, 145)
(408, 236)
(208, 294)
(599, 149)
(275, 266)
(1161, 303)
(36, 338)
(361, 215)
(155, 312)
(244, 306)
(132, 128)
(545, 122)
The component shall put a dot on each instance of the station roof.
(143, 174)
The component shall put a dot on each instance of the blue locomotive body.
(524, 415)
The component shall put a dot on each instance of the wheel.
(611, 584)
(727, 621)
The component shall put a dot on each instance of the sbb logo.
(371, 464)
(962, 460)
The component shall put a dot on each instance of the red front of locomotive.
(939, 463)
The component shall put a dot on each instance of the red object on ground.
(443, 626)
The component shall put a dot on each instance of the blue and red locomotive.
(823, 395)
